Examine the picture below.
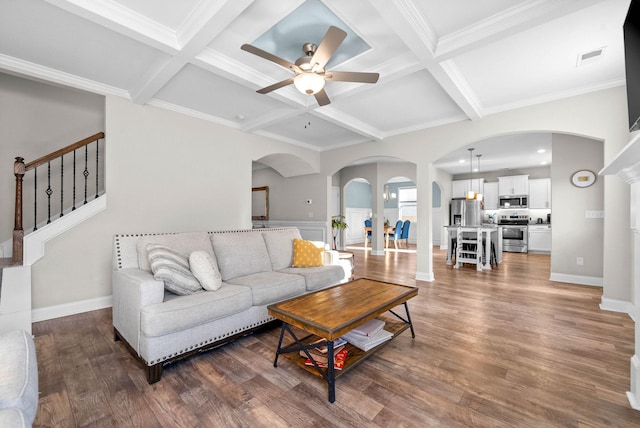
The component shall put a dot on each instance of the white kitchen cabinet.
(513, 185)
(540, 193)
(460, 188)
(540, 238)
(490, 194)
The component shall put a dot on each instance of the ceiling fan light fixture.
(309, 83)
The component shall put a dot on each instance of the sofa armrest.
(133, 289)
(331, 257)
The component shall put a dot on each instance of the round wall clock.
(583, 178)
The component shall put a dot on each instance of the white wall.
(165, 172)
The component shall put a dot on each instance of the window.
(407, 203)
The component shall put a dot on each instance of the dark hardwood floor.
(505, 348)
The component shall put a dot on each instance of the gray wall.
(574, 235)
(35, 120)
(166, 172)
(288, 196)
(190, 177)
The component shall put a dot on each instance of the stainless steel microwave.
(519, 201)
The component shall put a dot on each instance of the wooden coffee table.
(334, 311)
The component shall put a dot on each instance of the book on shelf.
(370, 328)
(365, 342)
(338, 360)
(319, 353)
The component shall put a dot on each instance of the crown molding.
(50, 75)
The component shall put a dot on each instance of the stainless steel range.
(514, 232)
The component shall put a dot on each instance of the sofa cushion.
(182, 313)
(205, 269)
(18, 375)
(306, 254)
(271, 287)
(12, 417)
(240, 254)
(280, 247)
(183, 242)
(318, 277)
(172, 267)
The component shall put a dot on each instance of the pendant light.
(479, 194)
(471, 194)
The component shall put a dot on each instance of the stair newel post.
(18, 231)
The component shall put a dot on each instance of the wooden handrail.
(54, 155)
(19, 170)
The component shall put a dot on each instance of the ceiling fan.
(310, 75)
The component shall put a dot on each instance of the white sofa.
(18, 379)
(255, 265)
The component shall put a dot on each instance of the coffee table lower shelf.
(355, 355)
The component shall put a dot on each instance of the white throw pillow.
(204, 269)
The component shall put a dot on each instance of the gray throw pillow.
(172, 267)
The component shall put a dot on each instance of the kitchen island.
(463, 245)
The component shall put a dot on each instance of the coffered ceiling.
(439, 62)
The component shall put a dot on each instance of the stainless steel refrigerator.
(465, 212)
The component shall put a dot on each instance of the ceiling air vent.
(591, 56)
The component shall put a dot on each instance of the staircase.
(26, 249)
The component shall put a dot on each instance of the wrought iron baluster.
(86, 172)
(35, 199)
(97, 159)
(49, 192)
(73, 206)
(61, 185)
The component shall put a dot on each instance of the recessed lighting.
(240, 117)
(543, 163)
(541, 150)
(461, 161)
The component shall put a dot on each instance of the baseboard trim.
(576, 279)
(635, 383)
(425, 276)
(66, 309)
(614, 305)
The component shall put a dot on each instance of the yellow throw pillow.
(306, 254)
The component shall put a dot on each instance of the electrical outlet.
(580, 261)
(310, 214)
(594, 214)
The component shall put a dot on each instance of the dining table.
(388, 230)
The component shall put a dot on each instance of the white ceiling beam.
(404, 17)
(338, 117)
(206, 21)
(514, 20)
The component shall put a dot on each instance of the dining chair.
(395, 236)
(405, 233)
(367, 223)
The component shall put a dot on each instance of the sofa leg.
(154, 373)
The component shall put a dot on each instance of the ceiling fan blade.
(351, 76)
(275, 86)
(266, 55)
(322, 98)
(328, 46)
